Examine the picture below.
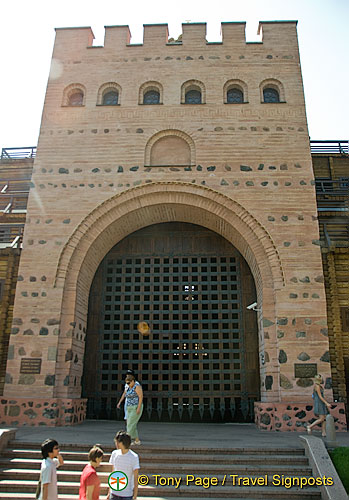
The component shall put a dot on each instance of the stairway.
(20, 465)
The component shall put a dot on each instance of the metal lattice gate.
(193, 365)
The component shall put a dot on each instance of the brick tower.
(213, 134)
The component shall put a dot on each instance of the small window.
(235, 96)
(2, 286)
(271, 95)
(345, 319)
(110, 98)
(344, 182)
(193, 97)
(151, 97)
(76, 99)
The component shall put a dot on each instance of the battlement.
(281, 34)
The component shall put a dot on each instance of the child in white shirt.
(48, 474)
(125, 460)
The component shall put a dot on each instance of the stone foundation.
(294, 416)
(17, 412)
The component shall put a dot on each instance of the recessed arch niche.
(170, 148)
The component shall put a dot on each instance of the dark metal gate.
(200, 361)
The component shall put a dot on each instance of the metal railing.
(334, 232)
(18, 153)
(336, 187)
(11, 235)
(14, 186)
(330, 147)
(13, 202)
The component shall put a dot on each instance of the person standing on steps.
(89, 481)
(125, 460)
(48, 474)
(321, 406)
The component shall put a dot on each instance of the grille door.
(186, 282)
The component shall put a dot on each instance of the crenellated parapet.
(279, 34)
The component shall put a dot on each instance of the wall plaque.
(305, 370)
(30, 365)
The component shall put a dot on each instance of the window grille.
(235, 96)
(193, 97)
(271, 95)
(151, 97)
(110, 98)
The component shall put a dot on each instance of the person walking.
(89, 481)
(134, 404)
(123, 396)
(321, 406)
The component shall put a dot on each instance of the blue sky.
(27, 36)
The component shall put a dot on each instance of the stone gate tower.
(212, 134)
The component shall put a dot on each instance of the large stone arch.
(154, 203)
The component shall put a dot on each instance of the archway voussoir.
(141, 207)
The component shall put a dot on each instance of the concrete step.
(84, 448)
(266, 492)
(74, 476)
(20, 466)
(31, 496)
(223, 459)
(34, 464)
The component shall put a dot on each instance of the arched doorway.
(200, 362)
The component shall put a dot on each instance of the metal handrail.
(334, 232)
(11, 234)
(18, 153)
(332, 186)
(328, 147)
(13, 202)
(14, 186)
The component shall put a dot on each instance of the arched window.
(76, 98)
(235, 96)
(110, 98)
(74, 95)
(235, 92)
(193, 92)
(151, 97)
(270, 95)
(150, 92)
(193, 97)
(109, 94)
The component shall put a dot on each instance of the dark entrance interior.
(200, 361)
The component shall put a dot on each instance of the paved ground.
(171, 435)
